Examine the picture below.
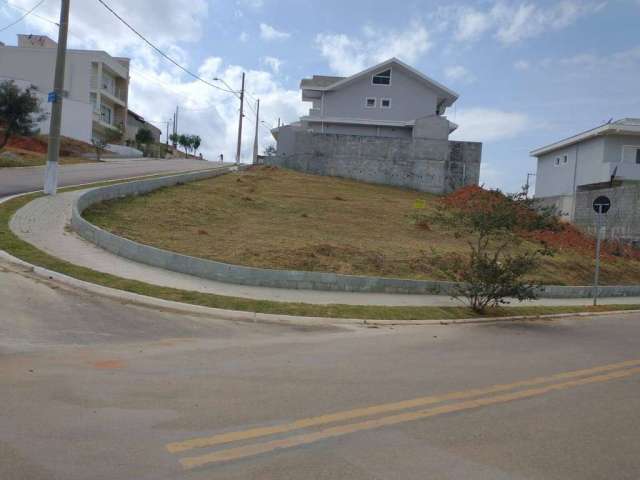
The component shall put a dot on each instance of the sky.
(528, 73)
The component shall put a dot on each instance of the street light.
(238, 151)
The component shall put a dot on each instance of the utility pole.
(528, 184)
(255, 141)
(167, 139)
(239, 150)
(53, 150)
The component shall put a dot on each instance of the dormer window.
(382, 78)
(370, 102)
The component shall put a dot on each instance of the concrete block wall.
(622, 221)
(435, 166)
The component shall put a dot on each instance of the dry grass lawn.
(274, 218)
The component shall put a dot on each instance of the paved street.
(93, 388)
(19, 180)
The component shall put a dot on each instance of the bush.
(494, 270)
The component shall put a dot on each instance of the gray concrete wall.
(435, 166)
(622, 221)
(264, 277)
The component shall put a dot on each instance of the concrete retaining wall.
(236, 274)
(435, 166)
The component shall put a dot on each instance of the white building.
(384, 100)
(96, 83)
(589, 160)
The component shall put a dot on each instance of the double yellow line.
(468, 399)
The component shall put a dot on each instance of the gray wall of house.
(435, 166)
(410, 99)
(596, 159)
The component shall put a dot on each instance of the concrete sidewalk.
(44, 223)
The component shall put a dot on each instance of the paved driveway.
(92, 388)
(20, 180)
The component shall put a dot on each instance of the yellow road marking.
(337, 431)
(378, 409)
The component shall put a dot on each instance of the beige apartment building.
(96, 85)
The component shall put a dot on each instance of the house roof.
(625, 126)
(325, 83)
(319, 81)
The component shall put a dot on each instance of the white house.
(384, 100)
(385, 125)
(589, 160)
(96, 83)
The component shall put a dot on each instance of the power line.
(160, 52)
(29, 12)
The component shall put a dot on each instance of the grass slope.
(274, 218)
(10, 243)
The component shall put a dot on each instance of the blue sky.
(528, 73)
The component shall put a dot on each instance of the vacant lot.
(281, 219)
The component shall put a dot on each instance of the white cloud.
(157, 86)
(251, 3)
(273, 63)
(487, 125)
(514, 21)
(522, 65)
(459, 73)
(347, 55)
(244, 37)
(471, 24)
(267, 32)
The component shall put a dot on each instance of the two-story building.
(96, 85)
(386, 125)
(590, 160)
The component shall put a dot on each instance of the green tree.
(270, 151)
(196, 141)
(144, 136)
(174, 138)
(495, 268)
(19, 111)
(185, 143)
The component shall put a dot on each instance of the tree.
(196, 141)
(270, 151)
(100, 142)
(174, 137)
(185, 142)
(144, 136)
(19, 111)
(495, 268)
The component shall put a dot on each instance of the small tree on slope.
(19, 111)
(495, 269)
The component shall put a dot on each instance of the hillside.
(273, 218)
(32, 151)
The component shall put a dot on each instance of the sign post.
(601, 206)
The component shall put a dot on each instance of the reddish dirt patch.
(109, 364)
(32, 144)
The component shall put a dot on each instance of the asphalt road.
(92, 388)
(20, 180)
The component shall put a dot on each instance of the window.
(557, 161)
(105, 114)
(382, 78)
(565, 159)
(385, 103)
(370, 103)
(638, 156)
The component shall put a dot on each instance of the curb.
(253, 317)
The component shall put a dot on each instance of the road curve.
(20, 180)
